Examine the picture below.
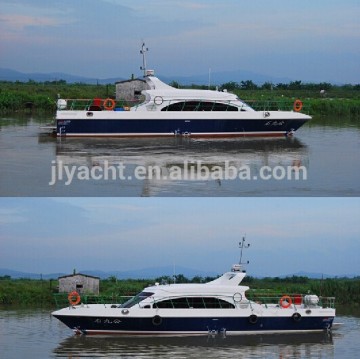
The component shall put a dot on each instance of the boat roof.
(159, 88)
(227, 283)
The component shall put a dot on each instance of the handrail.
(297, 298)
(61, 299)
(257, 105)
(76, 104)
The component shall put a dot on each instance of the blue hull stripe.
(194, 325)
(170, 127)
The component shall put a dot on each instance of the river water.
(323, 154)
(35, 334)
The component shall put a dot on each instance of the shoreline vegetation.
(41, 293)
(320, 99)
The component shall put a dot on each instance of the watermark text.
(188, 170)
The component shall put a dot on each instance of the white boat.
(219, 306)
(168, 111)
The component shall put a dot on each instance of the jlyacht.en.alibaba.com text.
(185, 171)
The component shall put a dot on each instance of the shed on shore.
(81, 283)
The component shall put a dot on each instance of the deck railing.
(61, 299)
(123, 105)
(296, 299)
(94, 104)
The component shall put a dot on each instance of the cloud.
(9, 216)
(185, 37)
(19, 22)
(127, 233)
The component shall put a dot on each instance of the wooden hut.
(81, 283)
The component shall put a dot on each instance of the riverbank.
(44, 293)
(318, 99)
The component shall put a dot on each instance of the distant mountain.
(219, 78)
(154, 272)
(145, 273)
(151, 273)
(216, 78)
(12, 75)
(17, 274)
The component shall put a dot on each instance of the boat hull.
(81, 126)
(158, 325)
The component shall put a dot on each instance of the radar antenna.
(242, 246)
(143, 52)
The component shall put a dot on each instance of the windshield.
(137, 299)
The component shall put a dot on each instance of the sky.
(311, 41)
(286, 235)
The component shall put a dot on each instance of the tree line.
(292, 86)
(31, 292)
(323, 98)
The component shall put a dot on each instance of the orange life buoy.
(285, 301)
(298, 105)
(109, 104)
(74, 298)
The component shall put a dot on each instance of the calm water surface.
(328, 154)
(35, 334)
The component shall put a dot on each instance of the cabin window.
(164, 304)
(200, 106)
(137, 299)
(194, 302)
(212, 303)
(180, 303)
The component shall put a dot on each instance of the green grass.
(15, 95)
(338, 100)
(42, 293)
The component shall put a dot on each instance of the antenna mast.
(242, 246)
(143, 52)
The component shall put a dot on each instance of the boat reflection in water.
(269, 345)
(169, 161)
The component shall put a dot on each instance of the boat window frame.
(201, 106)
(193, 302)
(136, 299)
